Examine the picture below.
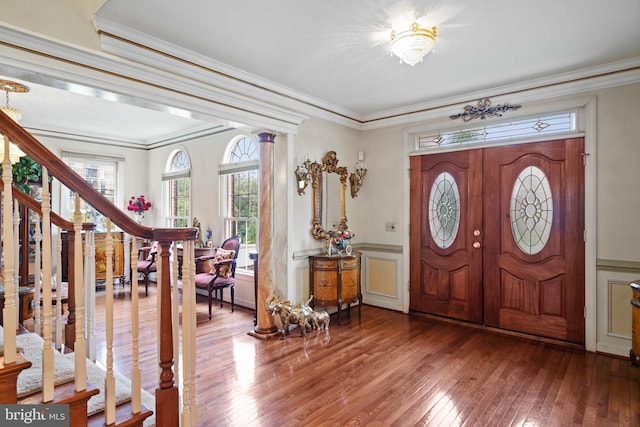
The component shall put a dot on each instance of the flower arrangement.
(338, 237)
(138, 204)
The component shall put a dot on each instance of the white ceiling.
(336, 52)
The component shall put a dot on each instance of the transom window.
(240, 184)
(547, 124)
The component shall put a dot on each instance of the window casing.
(240, 184)
(177, 181)
(102, 174)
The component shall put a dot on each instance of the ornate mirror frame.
(329, 165)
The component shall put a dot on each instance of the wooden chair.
(147, 264)
(216, 272)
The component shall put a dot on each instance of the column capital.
(266, 137)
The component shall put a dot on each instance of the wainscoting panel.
(381, 279)
(614, 309)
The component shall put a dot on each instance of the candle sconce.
(302, 175)
(357, 177)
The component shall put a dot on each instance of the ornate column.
(265, 327)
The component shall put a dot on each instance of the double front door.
(497, 237)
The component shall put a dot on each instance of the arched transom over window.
(180, 162)
(243, 150)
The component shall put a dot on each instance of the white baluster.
(109, 381)
(47, 351)
(58, 282)
(38, 279)
(16, 259)
(175, 314)
(9, 311)
(79, 345)
(90, 293)
(136, 383)
(189, 416)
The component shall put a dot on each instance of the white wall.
(618, 164)
(316, 137)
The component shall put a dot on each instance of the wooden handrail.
(34, 205)
(63, 173)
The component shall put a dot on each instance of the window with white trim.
(177, 181)
(239, 179)
(101, 172)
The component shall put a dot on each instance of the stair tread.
(124, 416)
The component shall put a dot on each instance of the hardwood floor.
(384, 369)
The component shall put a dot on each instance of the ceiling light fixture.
(412, 44)
(8, 86)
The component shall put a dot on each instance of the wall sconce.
(357, 177)
(302, 175)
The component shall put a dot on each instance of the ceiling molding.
(212, 91)
(160, 54)
(610, 75)
(140, 47)
(109, 72)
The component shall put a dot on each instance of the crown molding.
(158, 87)
(157, 74)
(565, 84)
(140, 47)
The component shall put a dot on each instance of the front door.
(521, 212)
(446, 210)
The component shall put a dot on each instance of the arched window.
(240, 180)
(177, 179)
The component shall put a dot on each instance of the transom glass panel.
(531, 210)
(444, 210)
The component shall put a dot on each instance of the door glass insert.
(444, 210)
(531, 210)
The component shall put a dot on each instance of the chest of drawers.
(335, 280)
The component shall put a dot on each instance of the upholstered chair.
(217, 272)
(147, 264)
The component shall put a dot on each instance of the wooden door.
(517, 259)
(534, 245)
(446, 209)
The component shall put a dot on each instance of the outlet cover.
(390, 226)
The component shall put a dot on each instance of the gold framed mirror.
(317, 172)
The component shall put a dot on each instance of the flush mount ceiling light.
(412, 44)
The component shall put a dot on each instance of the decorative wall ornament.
(483, 110)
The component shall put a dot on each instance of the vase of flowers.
(138, 205)
(340, 241)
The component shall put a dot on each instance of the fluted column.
(265, 327)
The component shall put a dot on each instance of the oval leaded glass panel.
(444, 210)
(531, 210)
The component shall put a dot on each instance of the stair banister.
(167, 394)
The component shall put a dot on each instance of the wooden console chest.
(335, 280)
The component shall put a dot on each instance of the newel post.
(167, 396)
(265, 328)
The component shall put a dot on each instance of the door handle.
(476, 245)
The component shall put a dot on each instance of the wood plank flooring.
(385, 369)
